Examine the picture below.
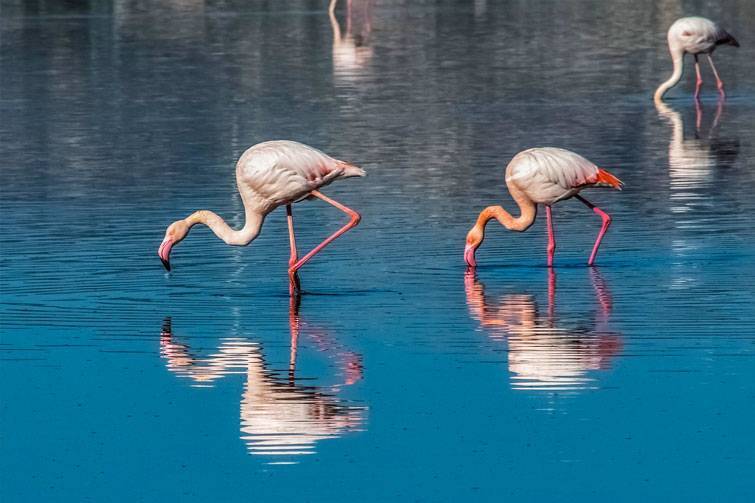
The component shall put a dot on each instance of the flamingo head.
(174, 234)
(474, 240)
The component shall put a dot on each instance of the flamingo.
(543, 176)
(694, 35)
(268, 175)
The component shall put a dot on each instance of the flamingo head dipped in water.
(696, 36)
(174, 234)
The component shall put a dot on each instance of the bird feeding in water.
(543, 176)
(694, 35)
(268, 175)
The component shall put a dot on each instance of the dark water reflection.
(634, 381)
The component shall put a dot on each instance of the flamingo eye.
(686, 34)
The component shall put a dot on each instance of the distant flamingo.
(269, 175)
(543, 176)
(694, 35)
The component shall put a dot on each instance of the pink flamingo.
(543, 176)
(694, 35)
(269, 175)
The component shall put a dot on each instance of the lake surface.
(400, 375)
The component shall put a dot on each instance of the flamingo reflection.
(280, 418)
(693, 164)
(543, 354)
(351, 50)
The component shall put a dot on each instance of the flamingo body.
(275, 173)
(698, 35)
(548, 175)
(543, 176)
(694, 35)
(268, 175)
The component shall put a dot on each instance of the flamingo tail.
(606, 179)
(350, 170)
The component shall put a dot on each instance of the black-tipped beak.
(164, 253)
(469, 255)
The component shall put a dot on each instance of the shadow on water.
(544, 352)
(281, 418)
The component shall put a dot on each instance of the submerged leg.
(719, 82)
(551, 236)
(699, 82)
(354, 221)
(606, 222)
(293, 277)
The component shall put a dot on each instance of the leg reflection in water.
(543, 353)
(280, 418)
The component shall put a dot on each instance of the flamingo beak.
(469, 255)
(164, 253)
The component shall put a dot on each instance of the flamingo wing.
(281, 172)
(549, 174)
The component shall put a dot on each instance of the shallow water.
(400, 375)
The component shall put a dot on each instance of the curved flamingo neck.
(678, 60)
(527, 214)
(215, 222)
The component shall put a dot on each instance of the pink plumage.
(543, 176)
(268, 175)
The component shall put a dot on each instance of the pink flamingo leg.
(606, 222)
(551, 236)
(293, 277)
(719, 82)
(699, 82)
(355, 218)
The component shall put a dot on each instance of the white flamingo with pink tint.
(268, 175)
(543, 176)
(694, 35)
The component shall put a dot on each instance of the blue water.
(400, 375)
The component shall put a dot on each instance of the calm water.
(400, 375)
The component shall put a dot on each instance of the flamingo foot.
(720, 85)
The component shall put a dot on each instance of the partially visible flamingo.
(694, 35)
(543, 176)
(268, 175)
